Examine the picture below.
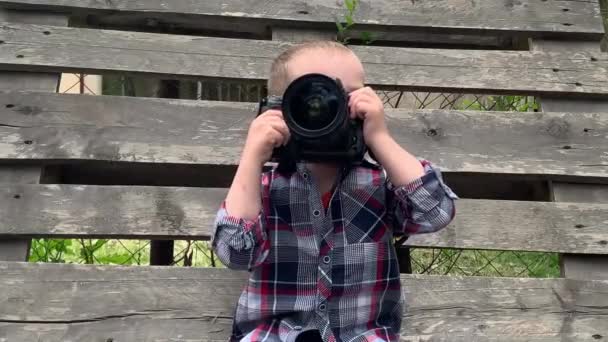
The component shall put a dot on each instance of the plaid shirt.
(335, 270)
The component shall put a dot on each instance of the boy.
(318, 241)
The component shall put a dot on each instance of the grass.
(198, 254)
(117, 252)
(485, 263)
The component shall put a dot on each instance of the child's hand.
(266, 132)
(365, 104)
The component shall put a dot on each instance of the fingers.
(362, 101)
(279, 132)
(276, 138)
(271, 113)
(365, 90)
(360, 106)
(283, 132)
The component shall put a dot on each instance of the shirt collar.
(304, 172)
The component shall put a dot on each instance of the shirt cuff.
(251, 228)
(421, 189)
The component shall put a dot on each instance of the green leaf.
(117, 259)
(367, 37)
(98, 244)
(350, 5)
(349, 21)
(341, 27)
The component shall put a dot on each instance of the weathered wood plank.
(32, 81)
(16, 249)
(193, 304)
(188, 213)
(296, 35)
(12, 249)
(33, 17)
(568, 18)
(115, 303)
(583, 266)
(45, 48)
(577, 266)
(79, 127)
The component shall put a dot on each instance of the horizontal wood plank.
(46, 48)
(188, 213)
(569, 19)
(110, 303)
(49, 127)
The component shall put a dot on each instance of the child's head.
(323, 57)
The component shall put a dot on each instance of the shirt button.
(322, 307)
(316, 212)
(326, 259)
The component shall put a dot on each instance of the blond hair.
(278, 80)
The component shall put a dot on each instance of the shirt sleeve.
(241, 244)
(425, 205)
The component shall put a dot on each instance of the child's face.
(335, 64)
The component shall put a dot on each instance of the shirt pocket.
(365, 283)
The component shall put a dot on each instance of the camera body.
(315, 109)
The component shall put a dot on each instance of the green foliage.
(86, 251)
(517, 103)
(485, 263)
(44, 250)
(501, 103)
(118, 252)
(348, 22)
(367, 37)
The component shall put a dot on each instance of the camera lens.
(314, 108)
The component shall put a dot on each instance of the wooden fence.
(545, 48)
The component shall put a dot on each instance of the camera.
(315, 109)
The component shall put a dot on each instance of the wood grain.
(78, 127)
(583, 266)
(140, 212)
(296, 35)
(573, 265)
(45, 48)
(566, 18)
(193, 304)
(18, 249)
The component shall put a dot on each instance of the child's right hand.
(266, 132)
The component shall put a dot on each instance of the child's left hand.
(365, 104)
